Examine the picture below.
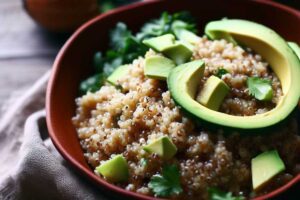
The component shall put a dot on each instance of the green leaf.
(118, 35)
(168, 183)
(216, 194)
(92, 84)
(167, 24)
(260, 88)
(98, 61)
(221, 72)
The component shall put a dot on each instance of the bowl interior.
(74, 62)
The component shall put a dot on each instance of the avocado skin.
(295, 47)
(214, 128)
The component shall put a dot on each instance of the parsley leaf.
(168, 183)
(216, 194)
(260, 88)
(221, 72)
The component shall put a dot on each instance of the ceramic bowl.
(74, 61)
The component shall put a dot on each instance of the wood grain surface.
(26, 51)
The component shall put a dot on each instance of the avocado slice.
(273, 49)
(163, 147)
(114, 170)
(213, 93)
(180, 52)
(295, 47)
(264, 167)
(117, 74)
(158, 67)
(160, 43)
(187, 36)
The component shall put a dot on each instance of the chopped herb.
(168, 183)
(92, 84)
(221, 72)
(260, 88)
(216, 194)
(125, 47)
(167, 24)
(144, 162)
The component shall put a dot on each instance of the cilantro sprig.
(216, 194)
(125, 46)
(168, 183)
(260, 88)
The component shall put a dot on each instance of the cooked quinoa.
(123, 120)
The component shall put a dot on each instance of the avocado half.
(272, 47)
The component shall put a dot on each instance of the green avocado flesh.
(273, 49)
(178, 51)
(295, 48)
(158, 67)
(117, 74)
(213, 93)
(187, 36)
(163, 147)
(160, 43)
(114, 170)
(264, 167)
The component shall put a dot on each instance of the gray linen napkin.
(30, 166)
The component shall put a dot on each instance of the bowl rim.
(89, 173)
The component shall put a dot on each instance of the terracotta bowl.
(74, 61)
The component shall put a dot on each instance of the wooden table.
(26, 51)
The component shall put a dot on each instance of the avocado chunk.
(264, 167)
(158, 67)
(187, 36)
(213, 93)
(180, 52)
(114, 170)
(163, 147)
(272, 48)
(160, 43)
(117, 74)
(295, 47)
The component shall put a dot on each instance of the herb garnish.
(221, 72)
(168, 183)
(260, 88)
(143, 162)
(216, 194)
(125, 47)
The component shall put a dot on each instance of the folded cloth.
(30, 166)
